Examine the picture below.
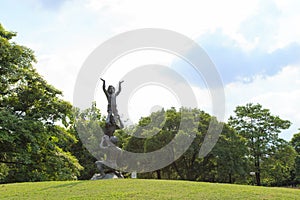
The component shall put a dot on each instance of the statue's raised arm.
(119, 89)
(104, 88)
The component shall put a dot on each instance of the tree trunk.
(158, 174)
(230, 178)
(176, 169)
(257, 173)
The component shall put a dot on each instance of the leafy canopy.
(34, 120)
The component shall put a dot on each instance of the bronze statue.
(113, 116)
(109, 141)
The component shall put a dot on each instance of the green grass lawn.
(140, 189)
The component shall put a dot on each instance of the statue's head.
(111, 89)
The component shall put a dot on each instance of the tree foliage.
(226, 162)
(34, 120)
(280, 165)
(231, 161)
(87, 129)
(295, 142)
(260, 129)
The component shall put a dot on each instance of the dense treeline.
(39, 137)
(231, 160)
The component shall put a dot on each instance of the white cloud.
(279, 93)
(190, 17)
(288, 27)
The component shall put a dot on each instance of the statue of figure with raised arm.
(109, 142)
(113, 116)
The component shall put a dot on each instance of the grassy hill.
(140, 189)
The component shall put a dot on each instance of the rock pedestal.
(105, 176)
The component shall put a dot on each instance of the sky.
(254, 45)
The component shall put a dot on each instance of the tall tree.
(260, 129)
(34, 120)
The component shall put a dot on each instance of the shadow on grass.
(63, 185)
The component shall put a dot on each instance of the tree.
(280, 165)
(34, 120)
(295, 142)
(189, 166)
(87, 131)
(230, 153)
(158, 130)
(260, 129)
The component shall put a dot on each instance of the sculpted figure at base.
(107, 172)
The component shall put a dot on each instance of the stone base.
(106, 176)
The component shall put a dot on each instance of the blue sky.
(255, 45)
(234, 63)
